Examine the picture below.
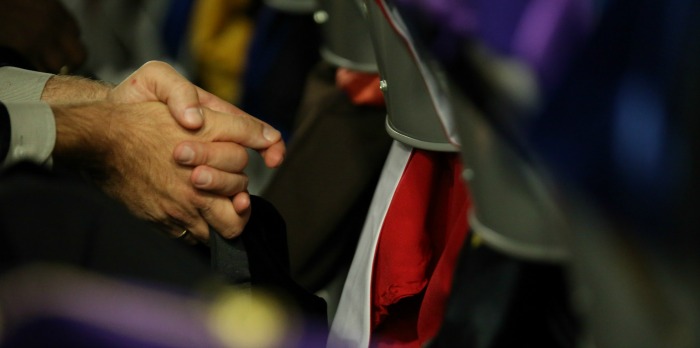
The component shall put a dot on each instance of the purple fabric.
(549, 33)
(541, 33)
(101, 309)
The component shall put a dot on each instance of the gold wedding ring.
(183, 234)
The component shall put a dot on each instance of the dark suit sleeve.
(5, 132)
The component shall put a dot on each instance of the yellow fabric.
(219, 39)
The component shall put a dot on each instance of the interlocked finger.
(218, 182)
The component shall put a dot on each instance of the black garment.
(325, 185)
(500, 301)
(46, 217)
(5, 132)
(260, 256)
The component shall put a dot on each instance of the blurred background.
(577, 124)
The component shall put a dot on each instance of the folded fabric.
(259, 260)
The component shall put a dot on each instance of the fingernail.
(186, 155)
(194, 116)
(270, 133)
(203, 179)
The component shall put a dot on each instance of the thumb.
(176, 91)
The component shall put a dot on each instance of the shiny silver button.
(383, 85)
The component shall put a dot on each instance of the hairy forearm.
(81, 130)
(62, 88)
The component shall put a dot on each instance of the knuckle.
(177, 217)
(234, 186)
(153, 65)
(239, 123)
(203, 153)
(235, 157)
(243, 157)
(200, 231)
(244, 180)
(182, 86)
(201, 203)
(232, 231)
(236, 183)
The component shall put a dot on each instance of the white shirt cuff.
(19, 85)
(33, 132)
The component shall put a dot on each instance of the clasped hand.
(173, 153)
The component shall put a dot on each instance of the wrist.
(81, 131)
(74, 89)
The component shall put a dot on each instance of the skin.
(48, 36)
(171, 152)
